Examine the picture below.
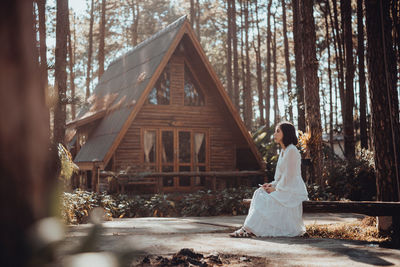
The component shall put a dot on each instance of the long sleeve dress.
(280, 212)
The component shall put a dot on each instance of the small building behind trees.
(162, 109)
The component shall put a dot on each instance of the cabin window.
(199, 156)
(167, 155)
(160, 94)
(193, 96)
(149, 149)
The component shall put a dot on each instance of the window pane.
(184, 147)
(193, 96)
(161, 90)
(168, 181)
(167, 147)
(200, 147)
(184, 181)
(149, 146)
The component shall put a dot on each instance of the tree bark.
(384, 100)
(60, 73)
(311, 92)
(259, 69)
(100, 55)
(134, 5)
(248, 103)
(25, 164)
(287, 62)
(71, 53)
(90, 51)
(43, 47)
(235, 58)
(276, 106)
(348, 121)
(361, 75)
(229, 50)
(298, 47)
(268, 67)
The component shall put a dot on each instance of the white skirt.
(268, 217)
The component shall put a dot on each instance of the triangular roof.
(124, 87)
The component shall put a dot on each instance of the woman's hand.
(269, 188)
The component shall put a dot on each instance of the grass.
(362, 230)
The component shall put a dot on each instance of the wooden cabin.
(158, 117)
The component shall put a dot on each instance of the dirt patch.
(188, 257)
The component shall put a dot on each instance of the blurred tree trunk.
(192, 13)
(24, 135)
(60, 72)
(396, 28)
(384, 99)
(100, 55)
(235, 58)
(257, 50)
(247, 95)
(198, 19)
(361, 75)
(43, 47)
(297, 32)
(134, 5)
(348, 121)
(71, 53)
(287, 62)
(90, 51)
(242, 59)
(339, 59)
(229, 49)
(276, 107)
(268, 67)
(311, 92)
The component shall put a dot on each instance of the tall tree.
(25, 169)
(268, 83)
(361, 75)
(135, 10)
(276, 106)
(287, 62)
(235, 57)
(100, 54)
(348, 122)
(71, 53)
(247, 95)
(311, 92)
(61, 71)
(257, 49)
(229, 49)
(298, 47)
(43, 47)
(384, 99)
(90, 51)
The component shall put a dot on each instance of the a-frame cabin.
(160, 109)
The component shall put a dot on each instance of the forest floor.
(204, 241)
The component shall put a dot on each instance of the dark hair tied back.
(289, 133)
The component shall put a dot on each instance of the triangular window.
(193, 95)
(161, 90)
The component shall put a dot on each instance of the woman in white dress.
(276, 208)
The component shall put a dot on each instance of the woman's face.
(278, 135)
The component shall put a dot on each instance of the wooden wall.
(224, 136)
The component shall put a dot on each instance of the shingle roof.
(120, 88)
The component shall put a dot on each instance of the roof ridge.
(151, 38)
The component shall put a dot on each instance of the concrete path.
(163, 236)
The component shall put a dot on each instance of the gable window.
(193, 96)
(160, 94)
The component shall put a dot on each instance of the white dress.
(280, 212)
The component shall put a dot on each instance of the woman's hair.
(289, 133)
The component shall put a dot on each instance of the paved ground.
(162, 236)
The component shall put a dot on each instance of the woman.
(276, 208)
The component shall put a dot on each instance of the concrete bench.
(370, 208)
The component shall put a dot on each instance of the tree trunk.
(248, 103)
(192, 14)
(361, 75)
(198, 20)
(71, 53)
(311, 92)
(276, 106)
(257, 50)
(287, 62)
(134, 5)
(348, 121)
(339, 60)
(90, 50)
(100, 55)
(60, 72)
(25, 164)
(229, 50)
(235, 58)
(242, 59)
(297, 39)
(268, 67)
(384, 100)
(43, 47)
